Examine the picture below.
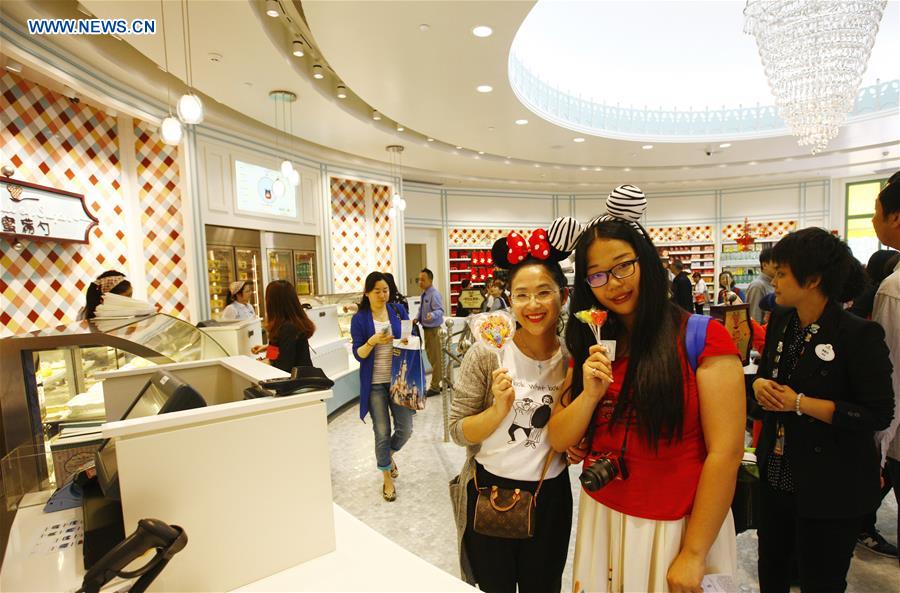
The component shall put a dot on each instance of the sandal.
(388, 497)
(394, 471)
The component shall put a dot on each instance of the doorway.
(415, 260)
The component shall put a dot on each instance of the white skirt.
(616, 553)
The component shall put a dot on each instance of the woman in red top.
(665, 521)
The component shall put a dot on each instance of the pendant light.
(288, 175)
(170, 128)
(398, 204)
(190, 107)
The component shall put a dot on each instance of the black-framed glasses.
(620, 271)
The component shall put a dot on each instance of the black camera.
(605, 468)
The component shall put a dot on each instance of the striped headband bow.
(627, 203)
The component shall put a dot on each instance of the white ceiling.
(426, 80)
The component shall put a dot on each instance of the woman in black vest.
(825, 386)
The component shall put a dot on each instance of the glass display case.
(49, 376)
(281, 265)
(248, 268)
(227, 264)
(347, 305)
(305, 272)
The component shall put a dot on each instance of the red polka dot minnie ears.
(539, 245)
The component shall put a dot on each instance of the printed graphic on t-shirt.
(530, 417)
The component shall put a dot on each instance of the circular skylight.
(646, 70)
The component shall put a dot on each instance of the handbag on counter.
(507, 512)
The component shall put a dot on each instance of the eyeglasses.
(621, 271)
(523, 298)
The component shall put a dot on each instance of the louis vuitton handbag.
(507, 512)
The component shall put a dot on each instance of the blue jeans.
(382, 408)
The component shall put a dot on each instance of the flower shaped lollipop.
(594, 318)
(494, 330)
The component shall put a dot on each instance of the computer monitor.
(162, 394)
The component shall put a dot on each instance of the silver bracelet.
(797, 404)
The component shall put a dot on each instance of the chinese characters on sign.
(34, 211)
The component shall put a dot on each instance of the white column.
(131, 204)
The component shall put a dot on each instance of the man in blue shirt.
(430, 318)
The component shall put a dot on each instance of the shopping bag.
(408, 374)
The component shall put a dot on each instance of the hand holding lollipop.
(494, 330)
(595, 318)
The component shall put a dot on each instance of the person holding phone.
(373, 329)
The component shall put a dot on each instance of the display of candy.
(494, 330)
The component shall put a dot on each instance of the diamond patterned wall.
(381, 227)
(161, 221)
(54, 142)
(348, 234)
(472, 237)
(770, 230)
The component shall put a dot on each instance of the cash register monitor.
(163, 393)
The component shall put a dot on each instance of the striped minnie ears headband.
(626, 203)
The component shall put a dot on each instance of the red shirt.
(662, 483)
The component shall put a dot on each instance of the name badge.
(825, 352)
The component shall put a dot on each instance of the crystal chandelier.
(814, 53)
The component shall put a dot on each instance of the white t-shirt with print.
(519, 446)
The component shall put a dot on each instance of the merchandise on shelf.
(696, 257)
(474, 264)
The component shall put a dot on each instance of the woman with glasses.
(825, 386)
(499, 413)
(373, 329)
(665, 440)
(729, 293)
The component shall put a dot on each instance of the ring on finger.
(595, 372)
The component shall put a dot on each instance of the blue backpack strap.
(695, 338)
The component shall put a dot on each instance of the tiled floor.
(421, 519)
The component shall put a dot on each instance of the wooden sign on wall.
(39, 213)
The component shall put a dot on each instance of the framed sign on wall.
(39, 213)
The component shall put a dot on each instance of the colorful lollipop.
(494, 330)
(595, 318)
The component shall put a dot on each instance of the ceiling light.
(400, 128)
(298, 48)
(294, 177)
(598, 168)
(725, 145)
(341, 91)
(14, 66)
(584, 168)
(521, 122)
(376, 116)
(424, 27)
(459, 148)
(278, 188)
(190, 109)
(170, 131)
(722, 166)
(431, 139)
(480, 152)
(647, 147)
(626, 169)
(476, 156)
(484, 88)
(272, 8)
(579, 139)
(286, 168)
(318, 72)
(537, 164)
(752, 163)
(505, 162)
(482, 31)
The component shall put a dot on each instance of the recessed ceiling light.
(626, 169)
(521, 122)
(647, 147)
(752, 163)
(484, 88)
(424, 27)
(480, 152)
(537, 164)
(722, 166)
(459, 148)
(318, 72)
(584, 168)
(341, 91)
(400, 128)
(598, 168)
(491, 129)
(376, 116)
(505, 162)
(482, 31)
(272, 8)
(14, 66)
(476, 157)
(578, 139)
(685, 168)
(454, 153)
(431, 139)
(725, 145)
(298, 48)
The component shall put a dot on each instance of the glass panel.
(248, 269)
(861, 198)
(55, 382)
(304, 270)
(173, 338)
(280, 265)
(220, 261)
(861, 238)
(347, 305)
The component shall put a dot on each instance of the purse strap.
(547, 461)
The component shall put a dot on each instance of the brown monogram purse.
(507, 512)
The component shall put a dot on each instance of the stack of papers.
(116, 305)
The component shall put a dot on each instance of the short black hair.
(765, 256)
(428, 273)
(889, 196)
(676, 263)
(815, 253)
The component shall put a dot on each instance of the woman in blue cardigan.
(373, 329)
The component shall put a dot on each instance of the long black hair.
(94, 296)
(371, 280)
(653, 389)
